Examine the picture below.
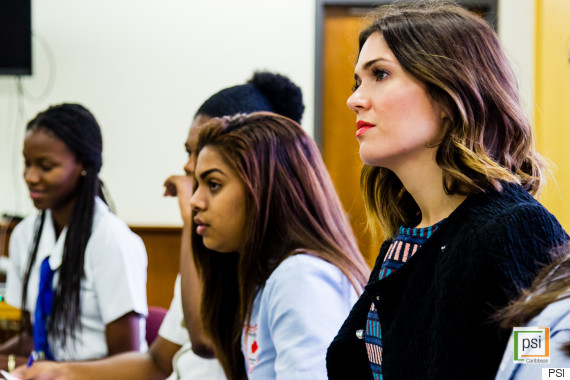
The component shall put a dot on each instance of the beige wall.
(144, 66)
(552, 112)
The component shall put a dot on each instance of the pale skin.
(404, 125)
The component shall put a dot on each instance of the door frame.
(491, 16)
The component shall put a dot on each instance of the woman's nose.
(190, 166)
(358, 101)
(31, 175)
(196, 202)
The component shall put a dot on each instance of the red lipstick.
(362, 126)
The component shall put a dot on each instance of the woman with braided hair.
(77, 272)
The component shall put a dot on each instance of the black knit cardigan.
(436, 310)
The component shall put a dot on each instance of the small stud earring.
(83, 173)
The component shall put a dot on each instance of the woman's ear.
(83, 171)
(444, 125)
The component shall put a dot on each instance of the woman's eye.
(214, 186)
(355, 86)
(379, 74)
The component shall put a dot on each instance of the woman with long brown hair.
(449, 176)
(277, 258)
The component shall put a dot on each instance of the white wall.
(517, 31)
(144, 66)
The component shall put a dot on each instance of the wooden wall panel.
(163, 250)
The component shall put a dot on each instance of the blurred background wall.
(143, 67)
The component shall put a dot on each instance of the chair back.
(153, 321)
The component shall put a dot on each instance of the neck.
(425, 184)
(62, 215)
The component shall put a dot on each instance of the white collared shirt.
(114, 284)
(186, 365)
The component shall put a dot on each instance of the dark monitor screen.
(15, 37)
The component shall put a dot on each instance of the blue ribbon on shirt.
(43, 310)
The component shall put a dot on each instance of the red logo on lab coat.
(252, 347)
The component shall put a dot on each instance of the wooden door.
(340, 147)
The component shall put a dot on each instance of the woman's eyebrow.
(210, 171)
(373, 61)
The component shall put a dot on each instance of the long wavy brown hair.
(291, 207)
(550, 285)
(487, 138)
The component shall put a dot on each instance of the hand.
(177, 185)
(19, 372)
(181, 186)
(43, 370)
(170, 188)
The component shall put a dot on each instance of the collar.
(53, 248)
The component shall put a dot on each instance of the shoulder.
(303, 267)
(26, 226)
(105, 220)
(511, 199)
(508, 235)
(512, 211)
(556, 315)
(111, 238)
(303, 276)
(108, 228)
(22, 235)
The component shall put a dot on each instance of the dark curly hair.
(265, 91)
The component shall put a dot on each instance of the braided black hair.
(75, 126)
(265, 91)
